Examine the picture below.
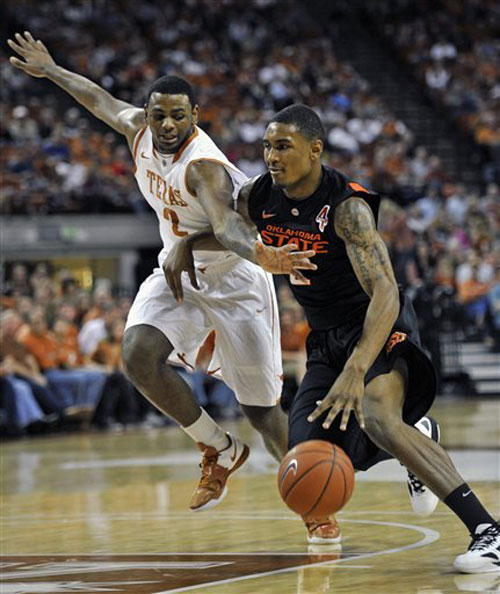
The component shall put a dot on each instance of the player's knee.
(143, 349)
(381, 424)
(260, 417)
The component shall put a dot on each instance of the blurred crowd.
(60, 359)
(454, 49)
(60, 346)
(246, 60)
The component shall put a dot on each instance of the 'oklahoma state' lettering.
(305, 240)
(167, 194)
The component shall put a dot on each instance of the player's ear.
(196, 113)
(316, 149)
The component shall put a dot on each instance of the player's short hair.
(172, 85)
(305, 119)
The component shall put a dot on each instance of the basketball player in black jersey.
(363, 350)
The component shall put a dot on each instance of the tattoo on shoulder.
(354, 221)
(355, 224)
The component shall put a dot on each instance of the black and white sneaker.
(483, 554)
(423, 500)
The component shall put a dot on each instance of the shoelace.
(207, 467)
(482, 541)
(416, 484)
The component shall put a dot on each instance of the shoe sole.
(485, 568)
(213, 502)
(324, 541)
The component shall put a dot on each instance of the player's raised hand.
(179, 259)
(284, 260)
(36, 56)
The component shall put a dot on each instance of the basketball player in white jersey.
(191, 185)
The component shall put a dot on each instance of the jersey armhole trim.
(135, 145)
(211, 160)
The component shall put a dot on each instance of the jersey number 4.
(322, 218)
(171, 216)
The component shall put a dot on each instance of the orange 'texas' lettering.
(158, 188)
(171, 215)
(151, 176)
(395, 338)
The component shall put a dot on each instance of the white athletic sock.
(205, 430)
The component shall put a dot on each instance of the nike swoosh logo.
(233, 456)
(468, 493)
(268, 215)
(144, 156)
(260, 310)
(292, 465)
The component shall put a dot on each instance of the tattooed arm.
(354, 223)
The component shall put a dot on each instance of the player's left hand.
(284, 260)
(179, 259)
(346, 394)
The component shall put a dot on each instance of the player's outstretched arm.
(355, 224)
(236, 232)
(36, 60)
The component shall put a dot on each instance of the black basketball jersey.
(334, 294)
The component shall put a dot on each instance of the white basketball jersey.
(162, 181)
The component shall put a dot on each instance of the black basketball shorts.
(327, 353)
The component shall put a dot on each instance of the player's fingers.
(298, 276)
(288, 248)
(359, 414)
(321, 406)
(29, 37)
(168, 277)
(178, 291)
(20, 39)
(336, 408)
(41, 45)
(17, 63)
(192, 277)
(304, 265)
(306, 254)
(345, 416)
(17, 48)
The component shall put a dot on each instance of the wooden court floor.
(109, 513)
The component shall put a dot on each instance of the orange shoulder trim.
(135, 145)
(185, 144)
(358, 188)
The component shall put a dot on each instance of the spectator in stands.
(72, 386)
(120, 402)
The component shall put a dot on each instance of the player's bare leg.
(272, 423)
(382, 407)
(145, 351)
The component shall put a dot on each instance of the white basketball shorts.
(238, 302)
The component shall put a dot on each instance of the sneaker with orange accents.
(216, 467)
(322, 530)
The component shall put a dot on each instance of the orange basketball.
(316, 478)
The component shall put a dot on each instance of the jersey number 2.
(171, 216)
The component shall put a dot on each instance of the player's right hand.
(179, 259)
(35, 54)
(284, 260)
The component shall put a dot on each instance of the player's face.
(289, 156)
(171, 119)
